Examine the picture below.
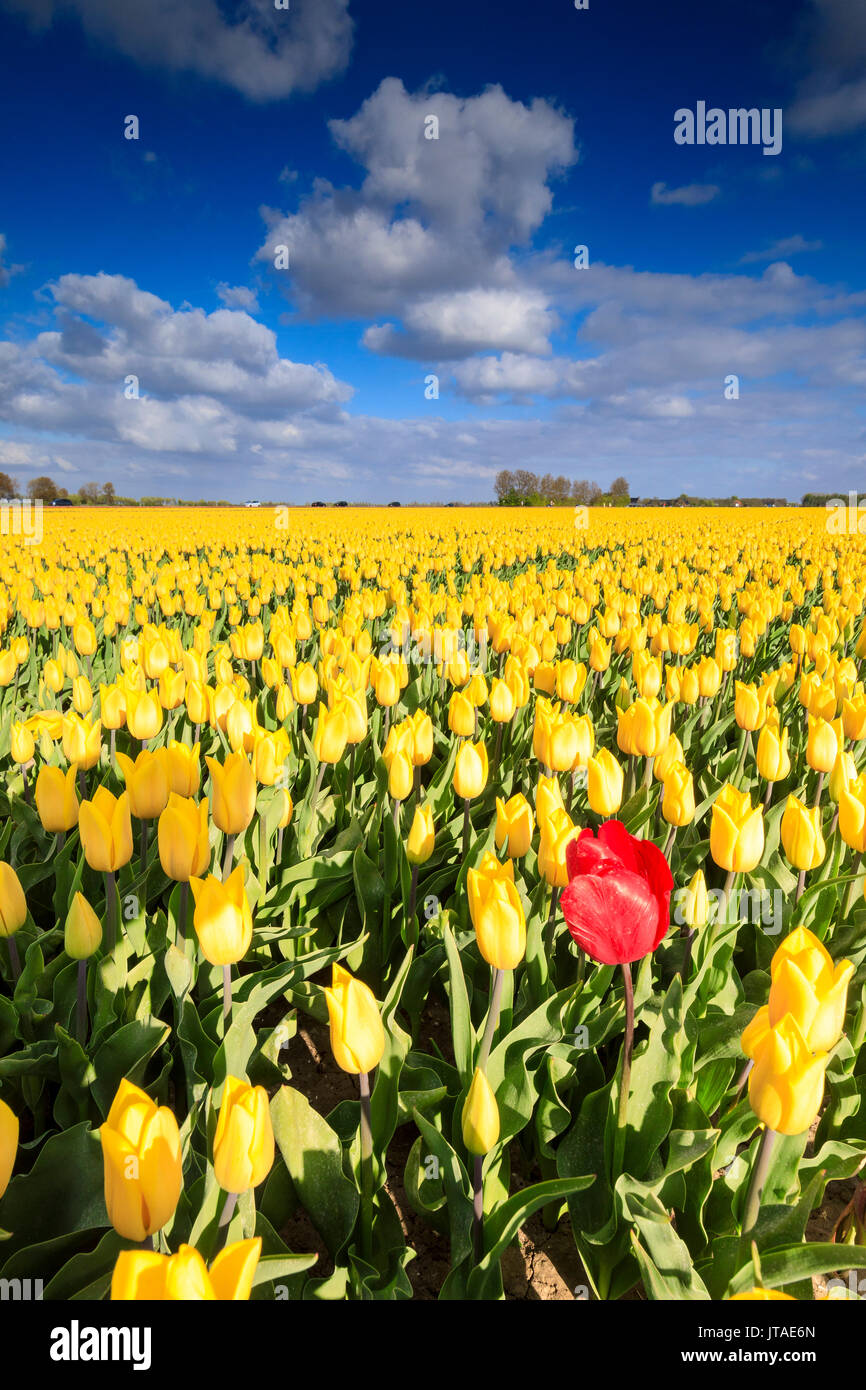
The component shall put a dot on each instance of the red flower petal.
(614, 918)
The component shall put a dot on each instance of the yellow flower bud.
(470, 771)
(9, 1128)
(243, 1146)
(82, 935)
(222, 918)
(480, 1116)
(678, 801)
(56, 800)
(604, 783)
(419, 845)
(233, 793)
(13, 904)
(357, 1034)
(786, 1084)
(801, 834)
(106, 831)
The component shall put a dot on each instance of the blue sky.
(411, 258)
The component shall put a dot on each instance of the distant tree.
(504, 484)
(8, 487)
(560, 490)
(89, 493)
(42, 489)
(525, 484)
(580, 491)
(619, 488)
(108, 494)
(595, 494)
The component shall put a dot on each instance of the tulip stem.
(478, 1207)
(110, 911)
(669, 842)
(82, 783)
(497, 747)
(397, 804)
(745, 740)
(27, 796)
(14, 959)
(819, 788)
(229, 1205)
(229, 855)
(648, 772)
(81, 1010)
(625, 1073)
(366, 1167)
(317, 787)
(466, 826)
(550, 932)
(492, 1019)
(411, 921)
(227, 996)
(854, 887)
(180, 930)
(768, 794)
(801, 884)
(757, 1183)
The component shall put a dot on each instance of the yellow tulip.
(82, 741)
(13, 904)
(146, 1276)
(82, 935)
(461, 715)
(548, 798)
(852, 814)
(233, 793)
(736, 831)
(243, 1146)
(142, 1163)
(801, 834)
(695, 904)
(182, 833)
(822, 745)
(22, 745)
(184, 768)
(678, 801)
(147, 782)
(9, 1129)
(786, 1084)
(143, 714)
(480, 1116)
(557, 830)
(400, 777)
(56, 800)
(106, 830)
(470, 771)
(331, 734)
(496, 912)
(422, 837)
(750, 705)
(807, 983)
(514, 824)
(604, 783)
(644, 728)
(222, 918)
(422, 738)
(771, 755)
(357, 1034)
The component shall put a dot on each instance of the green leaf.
(313, 1156)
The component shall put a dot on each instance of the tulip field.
(375, 889)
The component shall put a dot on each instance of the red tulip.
(617, 903)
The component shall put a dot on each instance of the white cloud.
(785, 246)
(429, 234)
(690, 195)
(238, 297)
(6, 271)
(267, 54)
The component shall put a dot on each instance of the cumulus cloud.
(238, 297)
(690, 195)
(266, 54)
(429, 235)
